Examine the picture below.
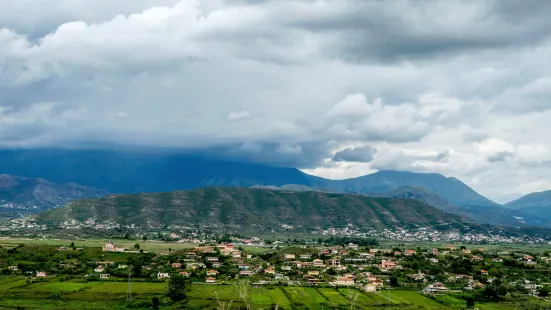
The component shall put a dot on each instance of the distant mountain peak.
(41, 193)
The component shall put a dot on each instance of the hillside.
(29, 192)
(251, 209)
(382, 182)
(533, 200)
(491, 214)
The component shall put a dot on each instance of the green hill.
(251, 209)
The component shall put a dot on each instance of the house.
(278, 276)
(286, 268)
(344, 281)
(313, 281)
(216, 265)
(304, 256)
(477, 258)
(212, 259)
(61, 248)
(191, 255)
(212, 273)
(436, 287)
(372, 278)
(110, 247)
(104, 276)
(249, 256)
(41, 274)
(397, 253)
(121, 266)
(210, 280)
(244, 266)
(246, 273)
(353, 246)
(435, 252)
(334, 262)
(370, 288)
(466, 251)
(497, 260)
(433, 260)
(373, 251)
(270, 270)
(99, 269)
(318, 262)
(386, 264)
(365, 255)
(528, 259)
(184, 274)
(176, 265)
(163, 275)
(289, 256)
(313, 273)
(483, 272)
(13, 268)
(410, 252)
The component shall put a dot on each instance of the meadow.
(57, 293)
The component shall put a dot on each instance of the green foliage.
(259, 208)
(177, 288)
(155, 303)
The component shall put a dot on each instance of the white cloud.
(464, 92)
(238, 116)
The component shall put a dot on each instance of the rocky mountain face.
(42, 194)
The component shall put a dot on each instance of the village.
(434, 272)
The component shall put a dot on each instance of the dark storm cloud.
(362, 154)
(397, 30)
(303, 155)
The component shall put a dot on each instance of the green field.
(78, 294)
(98, 243)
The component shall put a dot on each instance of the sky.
(336, 88)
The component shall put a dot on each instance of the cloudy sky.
(336, 88)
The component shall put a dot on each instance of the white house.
(344, 281)
(104, 276)
(163, 275)
(99, 269)
(370, 288)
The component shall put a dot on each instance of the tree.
(136, 246)
(177, 288)
(144, 238)
(470, 302)
(394, 281)
(543, 292)
(155, 303)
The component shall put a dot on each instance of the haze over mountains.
(148, 171)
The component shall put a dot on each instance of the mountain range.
(141, 171)
(252, 209)
(136, 171)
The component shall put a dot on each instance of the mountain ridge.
(536, 199)
(141, 171)
(41, 193)
(260, 209)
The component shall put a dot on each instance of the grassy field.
(77, 294)
(87, 243)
